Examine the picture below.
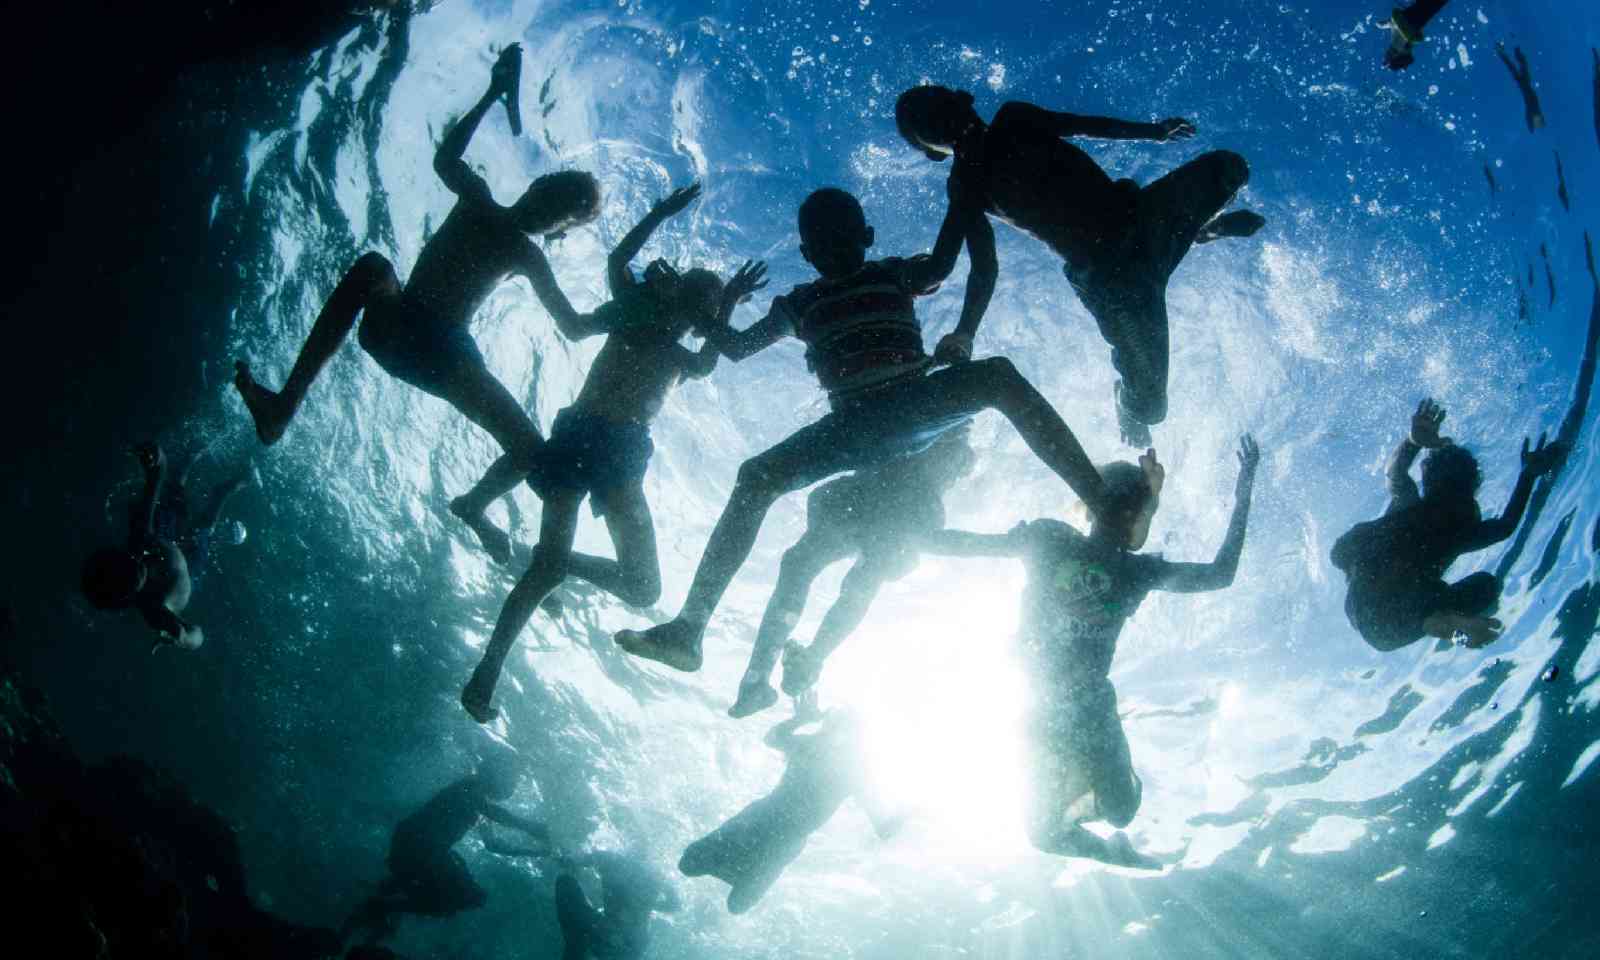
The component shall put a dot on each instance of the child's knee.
(549, 564)
(1118, 805)
(757, 479)
(373, 268)
(1232, 169)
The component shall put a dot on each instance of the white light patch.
(941, 701)
(1584, 760)
(1442, 836)
(1386, 877)
(1329, 834)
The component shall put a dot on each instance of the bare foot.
(495, 541)
(476, 697)
(1234, 223)
(675, 643)
(265, 406)
(1134, 433)
(800, 669)
(1480, 631)
(754, 697)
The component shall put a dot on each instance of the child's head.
(112, 578)
(557, 202)
(834, 235)
(1130, 504)
(933, 118)
(692, 299)
(1450, 472)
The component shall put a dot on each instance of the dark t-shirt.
(1079, 595)
(860, 331)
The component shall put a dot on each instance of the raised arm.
(495, 813)
(926, 272)
(1057, 124)
(618, 276)
(1219, 573)
(968, 219)
(571, 324)
(1424, 434)
(141, 521)
(959, 543)
(447, 161)
(1540, 460)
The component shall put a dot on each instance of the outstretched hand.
(1249, 459)
(1425, 425)
(953, 348)
(1543, 458)
(506, 68)
(677, 201)
(1175, 128)
(1154, 473)
(749, 278)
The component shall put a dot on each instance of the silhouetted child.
(1396, 564)
(1119, 242)
(426, 876)
(418, 333)
(600, 446)
(1523, 76)
(864, 342)
(877, 516)
(1405, 31)
(1081, 591)
(630, 893)
(824, 769)
(166, 554)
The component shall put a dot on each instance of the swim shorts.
(593, 454)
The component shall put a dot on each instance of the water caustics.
(1288, 770)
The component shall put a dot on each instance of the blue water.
(1319, 799)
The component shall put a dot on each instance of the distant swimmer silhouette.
(864, 341)
(1081, 592)
(825, 768)
(1524, 80)
(418, 333)
(167, 552)
(1405, 31)
(630, 894)
(1119, 242)
(600, 446)
(876, 516)
(1395, 565)
(426, 876)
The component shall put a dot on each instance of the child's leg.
(219, 499)
(1418, 14)
(635, 576)
(1104, 746)
(578, 918)
(370, 280)
(1464, 607)
(994, 383)
(545, 573)
(803, 665)
(1173, 209)
(812, 454)
(484, 400)
(799, 568)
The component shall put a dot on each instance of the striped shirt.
(860, 331)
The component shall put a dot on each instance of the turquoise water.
(1318, 798)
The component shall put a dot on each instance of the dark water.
(1322, 799)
